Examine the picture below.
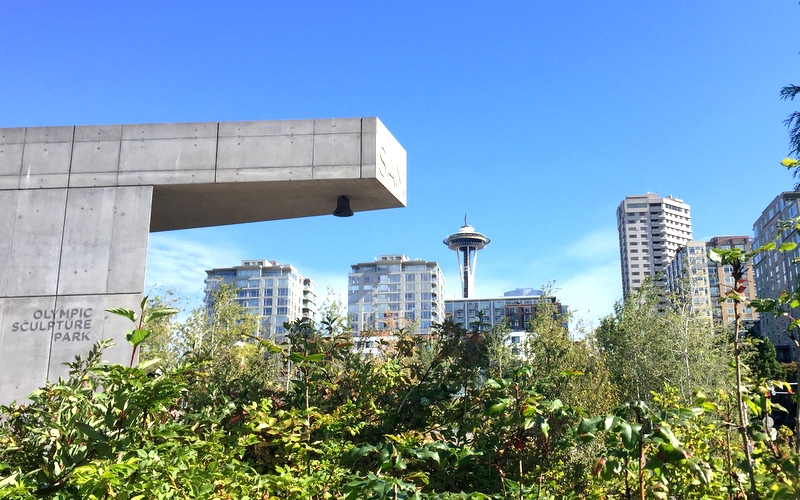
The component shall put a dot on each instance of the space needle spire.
(466, 242)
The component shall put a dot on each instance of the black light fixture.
(343, 207)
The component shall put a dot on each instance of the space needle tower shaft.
(466, 242)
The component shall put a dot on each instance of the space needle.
(466, 242)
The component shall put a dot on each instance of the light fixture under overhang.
(343, 207)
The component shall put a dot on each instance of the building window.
(411, 277)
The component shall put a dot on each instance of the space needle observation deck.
(466, 242)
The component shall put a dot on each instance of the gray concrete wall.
(77, 205)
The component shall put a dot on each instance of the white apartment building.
(394, 291)
(688, 275)
(276, 293)
(651, 230)
(705, 281)
(774, 271)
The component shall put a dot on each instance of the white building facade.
(394, 291)
(651, 230)
(704, 281)
(276, 293)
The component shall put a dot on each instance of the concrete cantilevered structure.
(77, 204)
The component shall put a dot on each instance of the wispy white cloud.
(177, 262)
(592, 283)
(592, 292)
(596, 246)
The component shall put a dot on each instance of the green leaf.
(136, 337)
(121, 311)
(10, 480)
(167, 434)
(609, 422)
(528, 423)
(666, 434)
(675, 454)
(425, 454)
(629, 434)
(360, 451)
(497, 407)
(492, 384)
(714, 256)
(544, 426)
(315, 358)
(588, 425)
(90, 432)
(160, 313)
(760, 436)
(144, 365)
(788, 246)
(271, 347)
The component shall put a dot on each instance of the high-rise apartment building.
(703, 281)
(688, 275)
(651, 229)
(395, 291)
(276, 293)
(775, 272)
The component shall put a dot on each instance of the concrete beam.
(78, 203)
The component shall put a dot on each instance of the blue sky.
(535, 118)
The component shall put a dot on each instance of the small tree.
(653, 339)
